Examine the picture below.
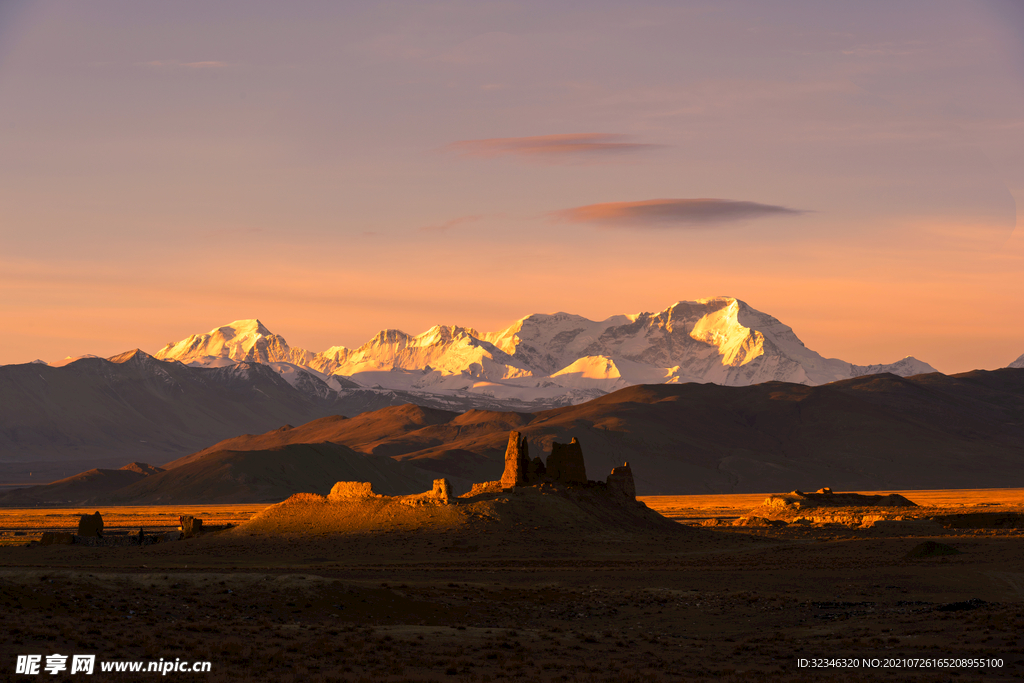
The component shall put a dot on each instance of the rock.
(57, 538)
(565, 464)
(517, 461)
(620, 482)
(351, 489)
(190, 526)
(91, 525)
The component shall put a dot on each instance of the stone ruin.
(517, 461)
(351, 489)
(620, 482)
(344, 491)
(441, 493)
(564, 466)
(190, 526)
(90, 533)
(91, 525)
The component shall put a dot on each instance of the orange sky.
(335, 171)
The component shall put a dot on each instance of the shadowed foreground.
(502, 602)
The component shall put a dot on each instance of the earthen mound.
(825, 507)
(550, 500)
(570, 512)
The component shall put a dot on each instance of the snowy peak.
(241, 340)
(556, 356)
(243, 329)
(721, 328)
(1019, 363)
(448, 350)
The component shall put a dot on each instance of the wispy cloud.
(176, 64)
(671, 213)
(448, 225)
(550, 146)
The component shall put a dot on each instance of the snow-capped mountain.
(546, 358)
(1019, 363)
(241, 340)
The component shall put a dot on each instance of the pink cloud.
(670, 213)
(550, 146)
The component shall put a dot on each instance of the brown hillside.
(868, 433)
(80, 488)
(228, 476)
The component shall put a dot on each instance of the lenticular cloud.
(669, 213)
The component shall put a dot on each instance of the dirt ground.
(708, 603)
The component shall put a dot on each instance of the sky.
(336, 168)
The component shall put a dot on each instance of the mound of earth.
(553, 497)
(825, 507)
(570, 512)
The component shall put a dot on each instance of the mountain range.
(545, 360)
(242, 378)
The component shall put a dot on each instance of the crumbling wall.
(190, 526)
(620, 482)
(517, 461)
(565, 464)
(91, 525)
(441, 493)
(351, 489)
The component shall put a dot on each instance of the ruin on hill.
(564, 467)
